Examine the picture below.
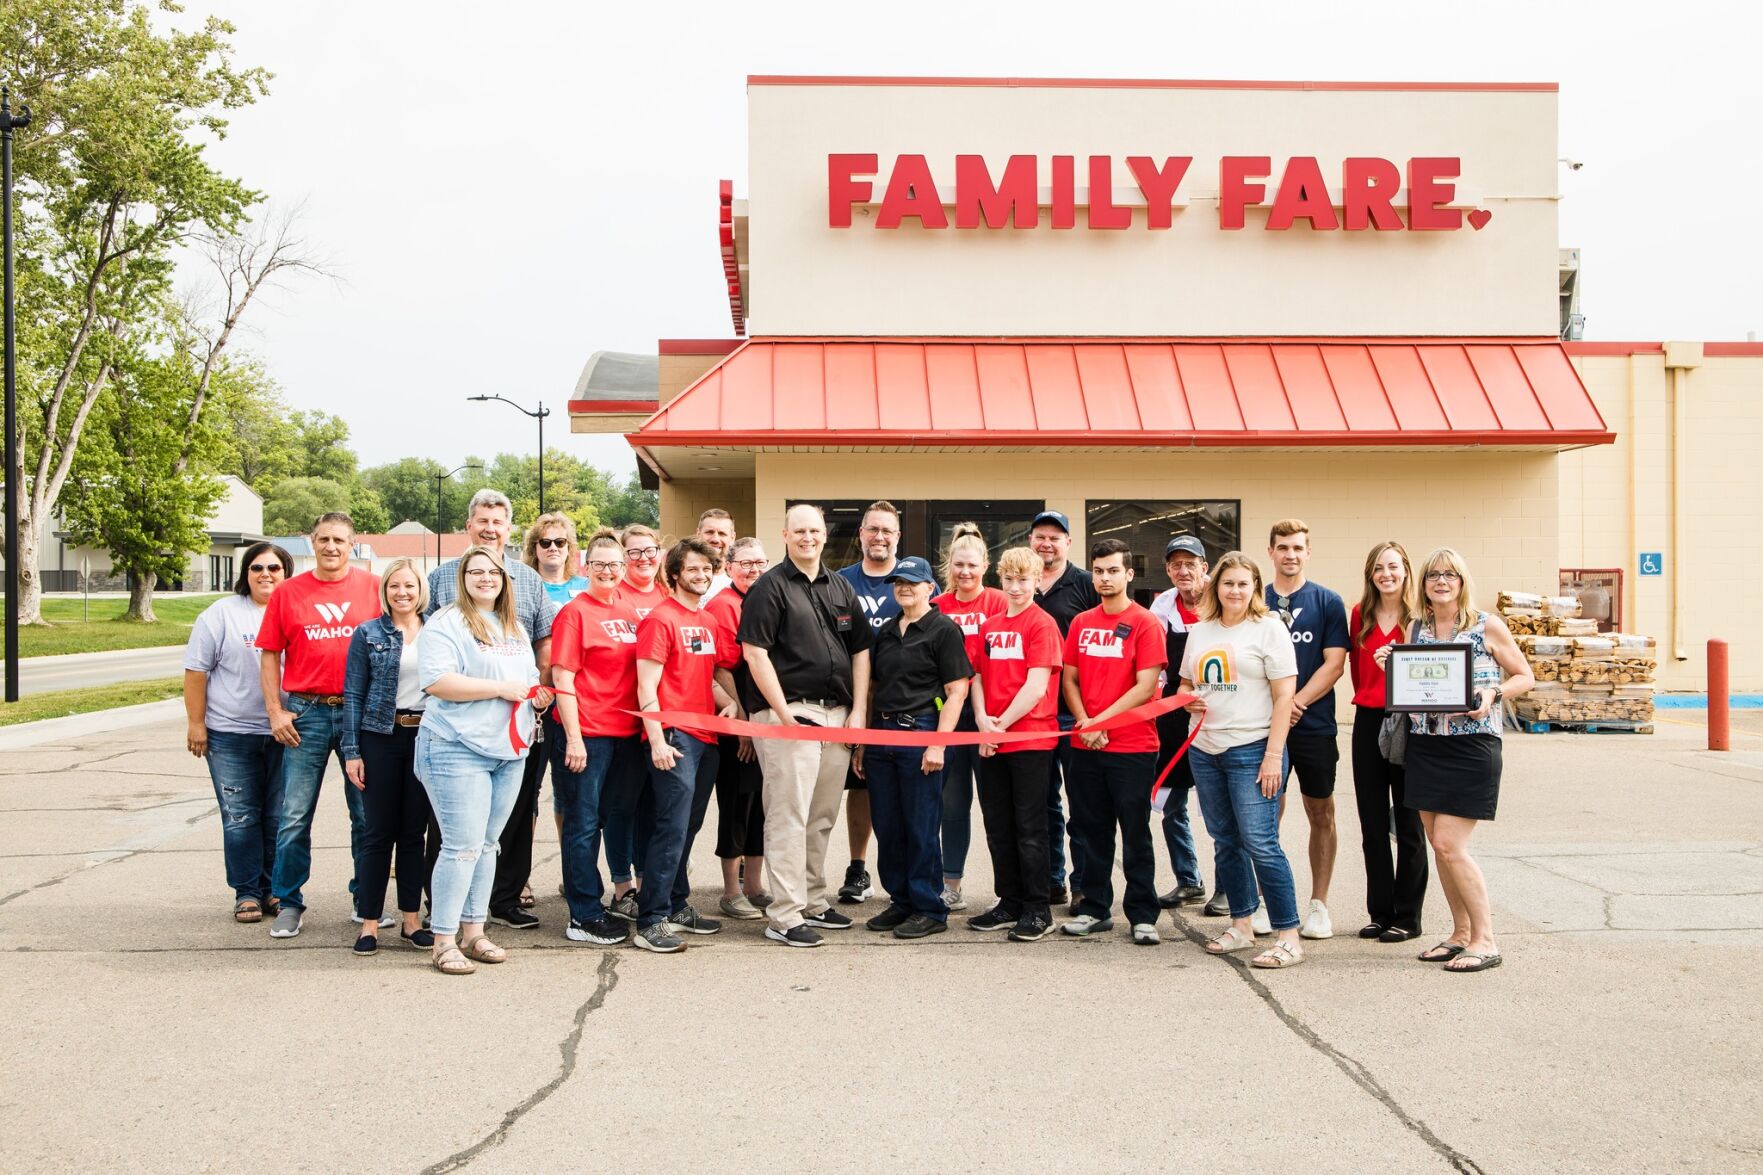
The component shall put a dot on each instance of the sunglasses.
(548, 543)
(1283, 605)
(260, 568)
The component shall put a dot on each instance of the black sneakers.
(795, 936)
(1181, 895)
(624, 908)
(1030, 927)
(601, 932)
(857, 887)
(1219, 906)
(828, 919)
(889, 919)
(515, 919)
(920, 926)
(1056, 894)
(658, 938)
(996, 918)
(688, 920)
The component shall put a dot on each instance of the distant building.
(236, 523)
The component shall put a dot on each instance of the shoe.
(739, 908)
(888, 919)
(1259, 922)
(1030, 927)
(1145, 934)
(686, 919)
(387, 921)
(953, 900)
(1372, 930)
(993, 919)
(920, 926)
(1056, 894)
(795, 936)
(828, 919)
(1398, 934)
(1218, 906)
(515, 919)
(1077, 899)
(624, 908)
(1316, 923)
(760, 900)
(857, 887)
(1181, 895)
(601, 932)
(423, 939)
(287, 923)
(658, 938)
(271, 907)
(1086, 924)
(366, 945)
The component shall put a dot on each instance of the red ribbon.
(514, 740)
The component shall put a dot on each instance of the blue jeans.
(472, 795)
(1056, 828)
(906, 808)
(627, 818)
(247, 774)
(577, 797)
(703, 787)
(1178, 834)
(960, 765)
(669, 797)
(319, 728)
(1245, 832)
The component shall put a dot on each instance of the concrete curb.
(48, 730)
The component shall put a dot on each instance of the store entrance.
(925, 527)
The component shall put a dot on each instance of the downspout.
(1631, 601)
(1679, 358)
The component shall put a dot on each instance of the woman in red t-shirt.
(1393, 893)
(970, 604)
(594, 656)
(642, 586)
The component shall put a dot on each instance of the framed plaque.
(1426, 679)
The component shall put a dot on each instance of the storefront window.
(1147, 526)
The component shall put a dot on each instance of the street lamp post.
(10, 122)
(540, 417)
(440, 484)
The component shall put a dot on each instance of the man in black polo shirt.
(1065, 592)
(806, 643)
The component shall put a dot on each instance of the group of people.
(445, 698)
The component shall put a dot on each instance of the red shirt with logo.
(971, 618)
(598, 643)
(725, 607)
(685, 644)
(1010, 647)
(1108, 652)
(310, 621)
(644, 601)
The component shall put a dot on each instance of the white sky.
(508, 188)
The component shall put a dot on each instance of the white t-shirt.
(1230, 669)
(447, 646)
(410, 695)
(223, 644)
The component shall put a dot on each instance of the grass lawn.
(106, 630)
(84, 701)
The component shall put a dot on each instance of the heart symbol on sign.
(1479, 219)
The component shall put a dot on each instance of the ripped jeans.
(472, 795)
(247, 774)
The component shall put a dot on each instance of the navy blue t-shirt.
(1318, 622)
(877, 596)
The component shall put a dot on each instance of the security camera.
(1572, 164)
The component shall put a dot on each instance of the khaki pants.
(804, 782)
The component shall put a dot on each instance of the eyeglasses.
(880, 530)
(260, 568)
(1445, 576)
(556, 542)
(485, 572)
(641, 552)
(605, 566)
(751, 564)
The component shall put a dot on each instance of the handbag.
(1392, 732)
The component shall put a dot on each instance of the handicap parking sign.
(1652, 563)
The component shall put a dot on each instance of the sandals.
(1231, 940)
(452, 961)
(527, 900)
(247, 910)
(484, 951)
(1432, 954)
(1483, 962)
(1397, 934)
(1279, 956)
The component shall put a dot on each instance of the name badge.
(843, 621)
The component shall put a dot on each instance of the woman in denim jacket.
(382, 708)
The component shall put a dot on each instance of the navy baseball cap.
(1053, 516)
(1185, 542)
(911, 569)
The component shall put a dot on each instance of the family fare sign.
(1372, 193)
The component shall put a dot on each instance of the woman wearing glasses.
(642, 565)
(740, 807)
(1453, 760)
(474, 661)
(550, 550)
(229, 726)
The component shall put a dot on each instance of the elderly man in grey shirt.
(488, 522)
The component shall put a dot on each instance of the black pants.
(1013, 804)
(740, 810)
(395, 813)
(1109, 788)
(1393, 895)
(515, 862)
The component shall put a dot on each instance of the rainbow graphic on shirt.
(1214, 669)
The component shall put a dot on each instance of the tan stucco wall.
(1722, 482)
(1192, 279)
(682, 502)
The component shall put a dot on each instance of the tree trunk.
(30, 585)
(141, 598)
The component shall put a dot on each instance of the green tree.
(406, 488)
(111, 179)
(322, 447)
(262, 446)
(367, 510)
(295, 503)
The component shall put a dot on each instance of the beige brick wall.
(683, 501)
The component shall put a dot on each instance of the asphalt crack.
(1354, 1069)
(568, 1047)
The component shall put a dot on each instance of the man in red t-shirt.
(304, 642)
(1113, 657)
(679, 667)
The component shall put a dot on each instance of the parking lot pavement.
(145, 1030)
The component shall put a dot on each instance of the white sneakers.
(1316, 923)
(1145, 934)
(1259, 922)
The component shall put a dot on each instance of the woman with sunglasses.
(229, 727)
(474, 661)
(642, 567)
(550, 550)
(1452, 766)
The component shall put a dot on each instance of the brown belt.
(321, 699)
(408, 719)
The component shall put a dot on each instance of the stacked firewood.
(1582, 676)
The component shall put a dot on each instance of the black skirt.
(1453, 774)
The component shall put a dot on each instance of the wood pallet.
(1600, 726)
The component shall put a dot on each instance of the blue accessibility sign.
(1652, 563)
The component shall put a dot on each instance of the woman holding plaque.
(1453, 759)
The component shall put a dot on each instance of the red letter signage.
(842, 190)
(1235, 193)
(1302, 195)
(911, 192)
(1370, 191)
(1012, 200)
(1427, 195)
(1158, 185)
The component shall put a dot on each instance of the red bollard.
(1719, 698)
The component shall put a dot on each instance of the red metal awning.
(940, 393)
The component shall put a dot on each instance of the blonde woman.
(550, 549)
(971, 605)
(474, 662)
(642, 586)
(1453, 760)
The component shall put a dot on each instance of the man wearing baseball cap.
(1184, 558)
(1065, 592)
